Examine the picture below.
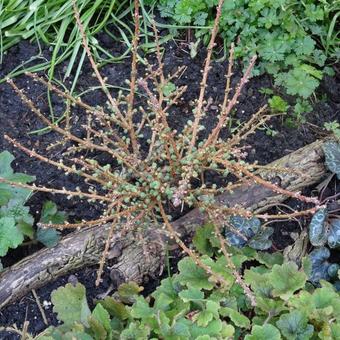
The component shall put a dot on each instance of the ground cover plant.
(187, 305)
(16, 221)
(152, 167)
(295, 41)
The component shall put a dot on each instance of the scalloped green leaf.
(332, 155)
(50, 214)
(203, 318)
(168, 89)
(129, 290)
(7, 191)
(70, 304)
(220, 266)
(269, 259)
(237, 318)
(10, 236)
(327, 301)
(23, 219)
(167, 287)
(192, 275)
(49, 237)
(268, 305)
(102, 316)
(317, 228)
(264, 332)
(115, 308)
(214, 328)
(286, 280)
(141, 309)
(299, 82)
(191, 294)
(201, 239)
(257, 278)
(6, 158)
(75, 331)
(294, 325)
(135, 330)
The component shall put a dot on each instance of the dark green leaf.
(320, 264)
(332, 154)
(50, 214)
(334, 234)
(261, 240)
(241, 230)
(317, 228)
(49, 237)
(294, 326)
(264, 332)
(6, 158)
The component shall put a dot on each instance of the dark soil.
(17, 121)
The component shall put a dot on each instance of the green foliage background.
(293, 39)
(188, 305)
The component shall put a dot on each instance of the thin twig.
(42, 312)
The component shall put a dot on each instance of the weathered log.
(137, 257)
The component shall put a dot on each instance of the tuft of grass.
(52, 23)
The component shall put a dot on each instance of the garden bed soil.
(16, 120)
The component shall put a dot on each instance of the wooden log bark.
(135, 259)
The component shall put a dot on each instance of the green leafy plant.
(16, 222)
(50, 214)
(286, 35)
(333, 127)
(277, 104)
(188, 305)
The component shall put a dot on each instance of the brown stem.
(95, 68)
(226, 111)
(133, 78)
(198, 111)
